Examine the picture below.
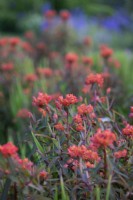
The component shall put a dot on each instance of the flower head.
(120, 154)
(84, 153)
(26, 47)
(8, 149)
(85, 109)
(76, 151)
(44, 71)
(131, 109)
(71, 58)
(43, 174)
(68, 100)
(79, 127)
(42, 99)
(59, 127)
(87, 60)
(14, 41)
(65, 15)
(7, 66)
(131, 112)
(103, 138)
(77, 118)
(25, 163)
(114, 62)
(30, 77)
(89, 165)
(94, 78)
(128, 130)
(4, 41)
(105, 51)
(49, 14)
(24, 113)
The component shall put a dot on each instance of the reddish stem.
(15, 192)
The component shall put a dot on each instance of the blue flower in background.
(111, 24)
(118, 22)
(81, 23)
(46, 25)
(45, 7)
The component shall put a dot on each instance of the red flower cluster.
(131, 112)
(26, 47)
(30, 77)
(24, 113)
(65, 15)
(50, 14)
(71, 58)
(105, 51)
(108, 90)
(76, 151)
(131, 109)
(43, 174)
(7, 66)
(120, 154)
(77, 119)
(87, 60)
(103, 138)
(14, 41)
(89, 165)
(42, 111)
(78, 122)
(68, 100)
(41, 100)
(128, 130)
(114, 62)
(94, 78)
(4, 41)
(25, 163)
(79, 127)
(44, 71)
(84, 153)
(85, 109)
(72, 164)
(59, 127)
(8, 149)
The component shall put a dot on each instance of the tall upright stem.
(15, 192)
(105, 163)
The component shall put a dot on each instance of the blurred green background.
(12, 11)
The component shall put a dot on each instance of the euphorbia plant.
(74, 143)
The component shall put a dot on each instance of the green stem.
(7, 185)
(105, 163)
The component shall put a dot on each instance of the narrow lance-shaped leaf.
(38, 145)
